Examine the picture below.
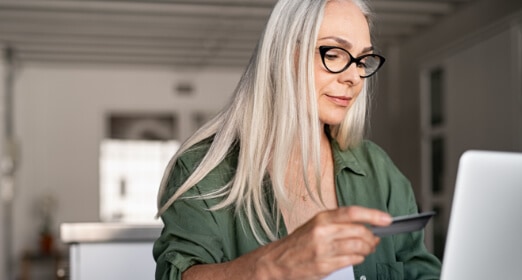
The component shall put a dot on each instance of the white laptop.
(484, 238)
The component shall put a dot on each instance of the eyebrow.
(346, 43)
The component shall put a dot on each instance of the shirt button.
(362, 277)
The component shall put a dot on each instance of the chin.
(333, 118)
(333, 121)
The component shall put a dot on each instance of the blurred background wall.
(453, 86)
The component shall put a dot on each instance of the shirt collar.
(345, 159)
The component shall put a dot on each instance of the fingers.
(357, 214)
(323, 230)
(342, 254)
(331, 240)
(346, 223)
(344, 230)
(361, 245)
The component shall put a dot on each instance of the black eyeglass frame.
(357, 60)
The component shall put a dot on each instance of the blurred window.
(130, 174)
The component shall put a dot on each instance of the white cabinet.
(110, 251)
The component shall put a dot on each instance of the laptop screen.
(484, 238)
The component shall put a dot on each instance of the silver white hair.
(273, 109)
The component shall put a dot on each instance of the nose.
(351, 75)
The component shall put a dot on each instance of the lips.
(340, 100)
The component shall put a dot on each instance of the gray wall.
(484, 104)
(480, 50)
(3, 257)
(60, 121)
(396, 120)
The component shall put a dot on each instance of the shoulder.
(194, 154)
(369, 148)
(189, 160)
(378, 167)
(395, 187)
(370, 156)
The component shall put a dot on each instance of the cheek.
(322, 80)
(359, 88)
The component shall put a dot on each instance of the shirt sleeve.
(190, 234)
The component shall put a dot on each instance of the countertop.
(108, 232)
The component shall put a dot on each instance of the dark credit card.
(403, 224)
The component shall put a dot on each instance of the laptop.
(484, 238)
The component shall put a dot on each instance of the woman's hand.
(332, 240)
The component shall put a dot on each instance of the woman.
(280, 185)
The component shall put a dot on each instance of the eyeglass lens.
(336, 60)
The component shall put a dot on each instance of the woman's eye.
(331, 56)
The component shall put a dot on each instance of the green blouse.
(364, 176)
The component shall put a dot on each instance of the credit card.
(403, 224)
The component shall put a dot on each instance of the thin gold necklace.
(303, 193)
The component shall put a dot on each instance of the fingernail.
(386, 218)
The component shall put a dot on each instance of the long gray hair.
(273, 110)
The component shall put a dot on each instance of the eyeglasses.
(337, 60)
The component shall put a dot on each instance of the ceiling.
(174, 33)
